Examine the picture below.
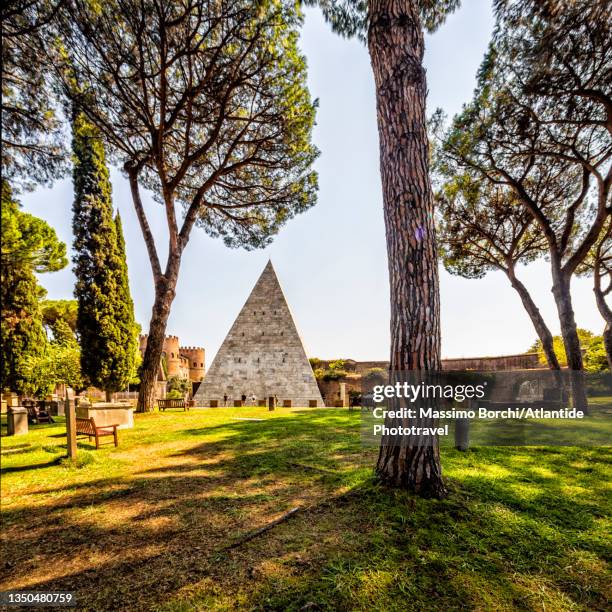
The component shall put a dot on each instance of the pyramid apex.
(269, 268)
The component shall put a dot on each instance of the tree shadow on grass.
(27, 468)
(160, 535)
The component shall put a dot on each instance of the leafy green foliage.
(594, 352)
(60, 319)
(375, 376)
(33, 149)
(333, 374)
(337, 364)
(315, 362)
(483, 227)
(29, 245)
(105, 319)
(232, 145)
(536, 124)
(179, 385)
(595, 359)
(59, 363)
(350, 17)
(334, 371)
(60, 360)
(27, 241)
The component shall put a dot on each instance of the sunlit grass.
(147, 525)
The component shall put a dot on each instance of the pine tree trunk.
(606, 312)
(395, 42)
(155, 343)
(540, 326)
(571, 341)
(607, 341)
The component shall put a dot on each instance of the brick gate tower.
(262, 355)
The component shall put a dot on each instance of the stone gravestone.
(17, 421)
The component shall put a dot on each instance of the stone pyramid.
(261, 356)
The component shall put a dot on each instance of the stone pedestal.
(343, 396)
(17, 421)
(107, 414)
(54, 407)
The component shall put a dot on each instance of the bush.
(338, 364)
(182, 385)
(315, 363)
(333, 374)
(375, 376)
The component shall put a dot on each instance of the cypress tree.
(127, 329)
(105, 319)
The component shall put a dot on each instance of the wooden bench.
(87, 427)
(35, 414)
(163, 404)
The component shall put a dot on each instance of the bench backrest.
(86, 426)
(171, 403)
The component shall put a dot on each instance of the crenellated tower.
(186, 362)
(197, 363)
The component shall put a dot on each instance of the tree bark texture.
(165, 290)
(571, 341)
(600, 298)
(164, 296)
(606, 313)
(395, 42)
(607, 340)
(544, 334)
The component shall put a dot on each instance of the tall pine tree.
(105, 319)
(394, 33)
(29, 245)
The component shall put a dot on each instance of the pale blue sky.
(331, 261)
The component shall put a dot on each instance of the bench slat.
(163, 404)
(87, 427)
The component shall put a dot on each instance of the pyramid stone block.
(262, 355)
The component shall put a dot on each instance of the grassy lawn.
(150, 525)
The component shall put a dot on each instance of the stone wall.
(522, 361)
